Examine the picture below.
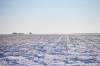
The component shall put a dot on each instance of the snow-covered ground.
(50, 50)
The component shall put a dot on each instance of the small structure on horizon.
(30, 33)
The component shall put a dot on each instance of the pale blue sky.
(50, 16)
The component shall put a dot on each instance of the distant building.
(30, 33)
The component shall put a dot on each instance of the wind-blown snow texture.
(50, 50)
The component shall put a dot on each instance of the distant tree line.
(20, 33)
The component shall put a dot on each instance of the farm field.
(81, 49)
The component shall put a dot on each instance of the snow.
(50, 50)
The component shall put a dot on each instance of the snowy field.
(50, 50)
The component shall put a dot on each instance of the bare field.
(50, 50)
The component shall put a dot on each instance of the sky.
(50, 16)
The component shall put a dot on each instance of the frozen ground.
(50, 50)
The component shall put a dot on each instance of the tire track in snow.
(58, 40)
(68, 40)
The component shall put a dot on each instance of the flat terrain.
(50, 50)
